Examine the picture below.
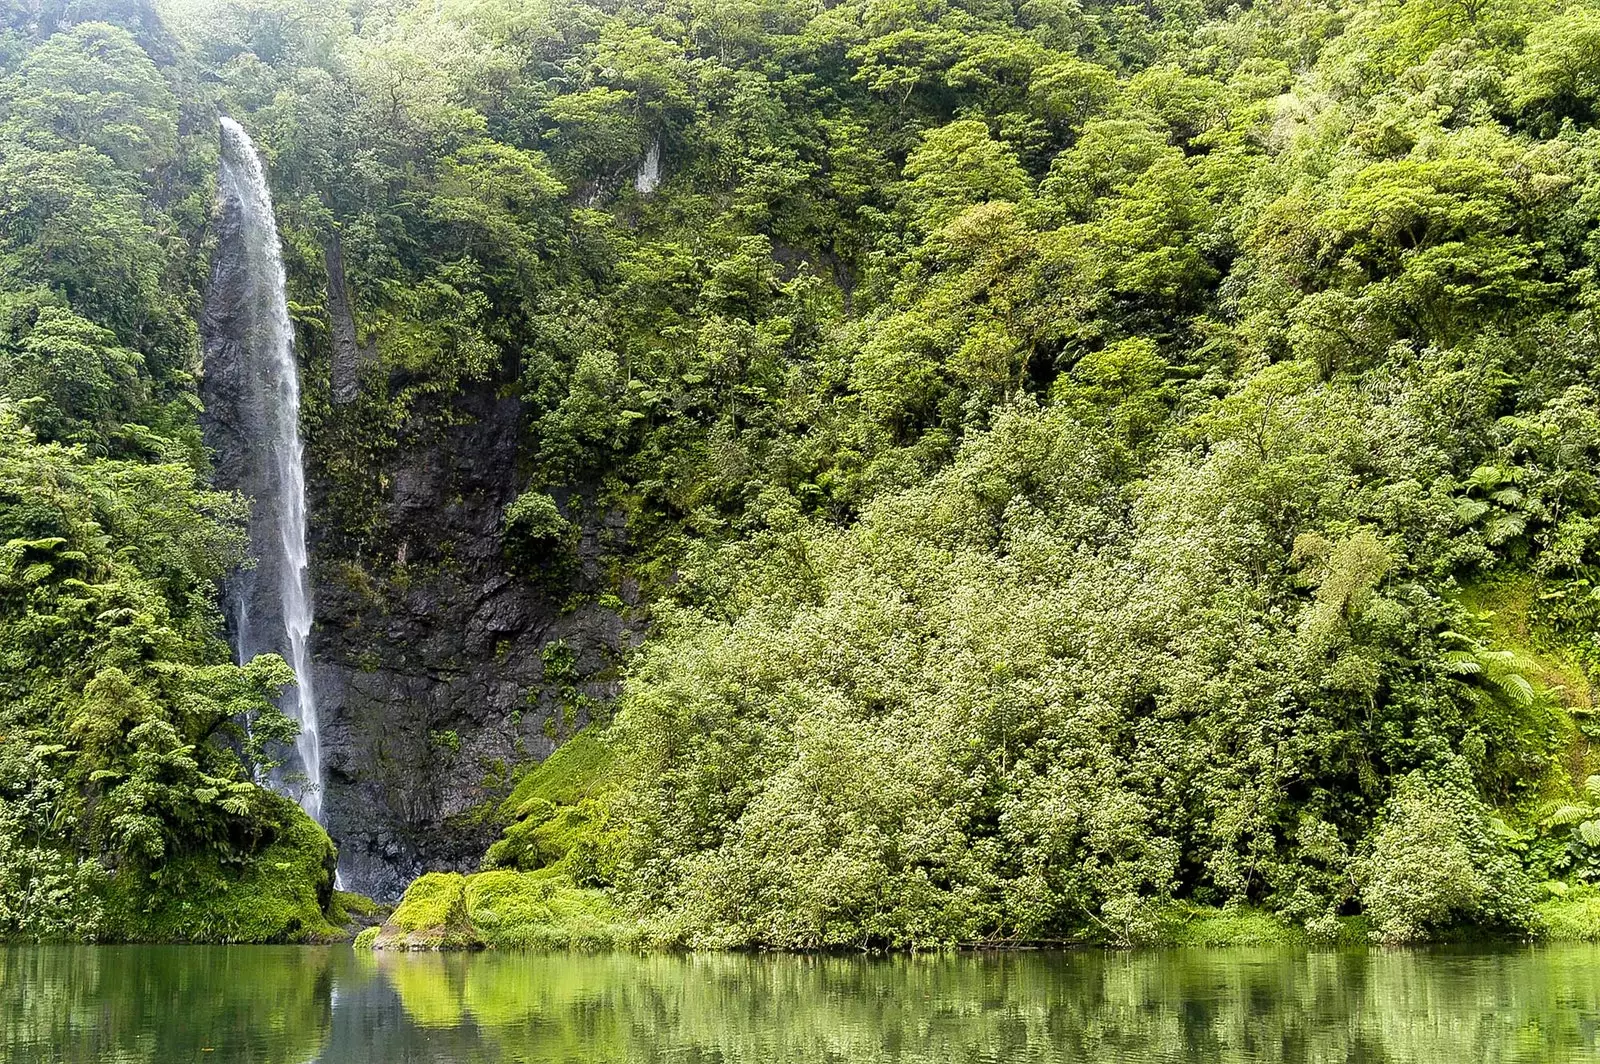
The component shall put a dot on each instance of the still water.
(170, 1004)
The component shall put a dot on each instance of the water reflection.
(261, 1004)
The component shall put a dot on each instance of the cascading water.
(250, 347)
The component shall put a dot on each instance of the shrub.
(1436, 860)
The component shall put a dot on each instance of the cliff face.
(236, 429)
(440, 669)
(441, 664)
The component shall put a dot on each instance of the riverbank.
(538, 891)
(504, 910)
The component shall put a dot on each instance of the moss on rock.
(432, 915)
(530, 910)
(280, 895)
(503, 909)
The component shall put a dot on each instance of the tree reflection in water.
(271, 1004)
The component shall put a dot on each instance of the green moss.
(1508, 605)
(577, 770)
(1556, 728)
(347, 905)
(559, 812)
(432, 915)
(428, 901)
(503, 910)
(534, 910)
(572, 838)
(367, 936)
(357, 912)
(276, 897)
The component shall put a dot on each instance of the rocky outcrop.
(348, 357)
(442, 664)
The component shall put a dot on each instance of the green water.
(168, 1004)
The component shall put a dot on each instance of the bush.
(534, 519)
(1436, 860)
(536, 535)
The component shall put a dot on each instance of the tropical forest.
(799, 475)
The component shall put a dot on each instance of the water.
(649, 175)
(272, 398)
(167, 1004)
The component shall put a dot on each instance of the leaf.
(1589, 831)
(1517, 687)
(1563, 815)
(1503, 528)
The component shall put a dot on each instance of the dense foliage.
(128, 741)
(1085, 458)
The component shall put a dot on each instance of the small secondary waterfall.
(649, 175)
(265, 391)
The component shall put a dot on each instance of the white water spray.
(268, 344)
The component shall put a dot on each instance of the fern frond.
(1562, 815)
(1589, 832)
(1516, 687)
(1503, 528)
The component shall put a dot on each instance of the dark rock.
(348, 357)
(430, 667)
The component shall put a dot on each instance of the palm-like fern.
(1492, 673)
(1584, 813)
(1493, 493)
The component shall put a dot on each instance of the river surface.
(171, 1004)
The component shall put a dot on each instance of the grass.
(1571, 917)
(1201, 925)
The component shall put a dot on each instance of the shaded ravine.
(252, 393)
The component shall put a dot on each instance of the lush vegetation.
(128, 741)
(1084, 445)
(1086, 462)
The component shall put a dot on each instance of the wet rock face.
(439, 669)
(222, 386)
(232, 424)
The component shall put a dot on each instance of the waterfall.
(264, 389)
(649, 175)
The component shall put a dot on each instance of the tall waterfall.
(250, 349)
